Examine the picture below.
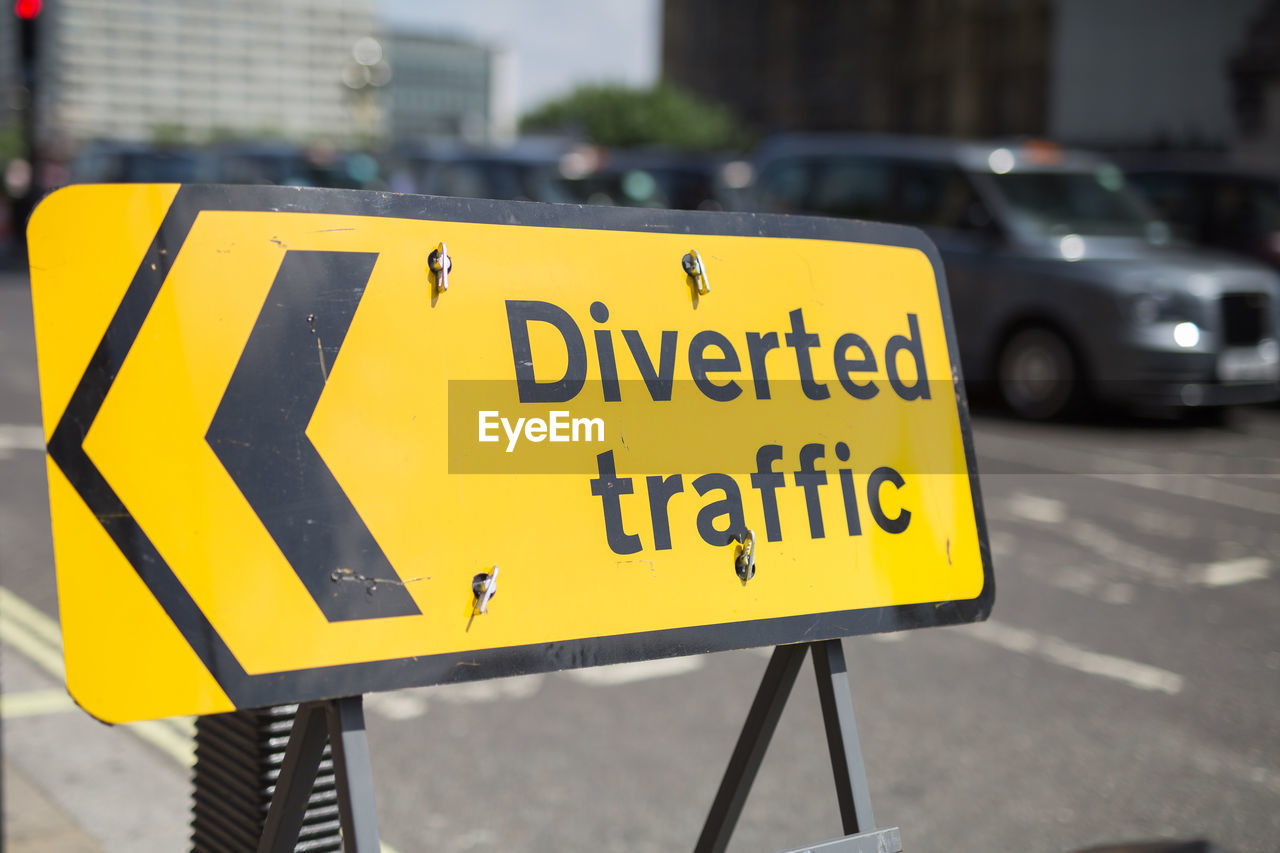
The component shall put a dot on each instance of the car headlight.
(1186, 334)
(1170, 310)
(1154, 306)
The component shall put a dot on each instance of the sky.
(557, 44)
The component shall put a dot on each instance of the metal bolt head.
(744, 562)
(484, 587)
(692, 264)
(441, 264)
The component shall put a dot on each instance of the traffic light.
(28, 15)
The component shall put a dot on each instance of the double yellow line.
(26, 629)
(38, 637)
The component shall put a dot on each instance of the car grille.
(1245, 318)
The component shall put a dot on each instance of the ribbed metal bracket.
(238, 761)
(341, 723)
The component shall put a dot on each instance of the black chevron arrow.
(259, 435)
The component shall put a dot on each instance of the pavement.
(35, 822)
(56, 757)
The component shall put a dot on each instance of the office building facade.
(143, 69)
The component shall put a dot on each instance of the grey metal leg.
(297, 776)
(762, 720)
(339, 723)
(351, 764)
(842, 737)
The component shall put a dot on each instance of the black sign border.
(245, 690)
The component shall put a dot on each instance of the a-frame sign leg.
(852, 793)
(762, 720)
(351, 766)
(297, 776)
(340, 723)
(842, 737)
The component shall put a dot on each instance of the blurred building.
(961, 67)
(147, 69)
(1132, 74)
(1255, 78)
(8, 69)
(442, 87)
(969, 67)
(1146, 73)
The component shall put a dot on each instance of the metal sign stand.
(339, 723)
(861, 836)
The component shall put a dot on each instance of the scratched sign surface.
(312, 443)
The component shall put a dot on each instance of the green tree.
(168, 134)
(11, 144)
(619, 116)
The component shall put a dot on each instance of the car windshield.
(1062, 202)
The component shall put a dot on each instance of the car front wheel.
(1037, 374)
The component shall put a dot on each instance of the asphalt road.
(1127, 687)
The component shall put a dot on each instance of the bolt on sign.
(312, 443)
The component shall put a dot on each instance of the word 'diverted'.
(659, 379)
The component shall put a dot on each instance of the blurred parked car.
(285, 164)
(530, 170)
(122, 162)
(556, 170)
(282, 164)
(1218, 206)
(1063, 286)
(650, 178)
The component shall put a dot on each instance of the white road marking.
(1116, 469)
(1121, 551)
(21, 437)
(1036, 508)
(1118, 549)
(396, 705)
(1116, 593)
(1002, 544)
(414, 702)
(1082, 581)
(626, 673)
(1231, 572)
(515, 687)
(1054, 650)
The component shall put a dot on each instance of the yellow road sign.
(310, 443)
